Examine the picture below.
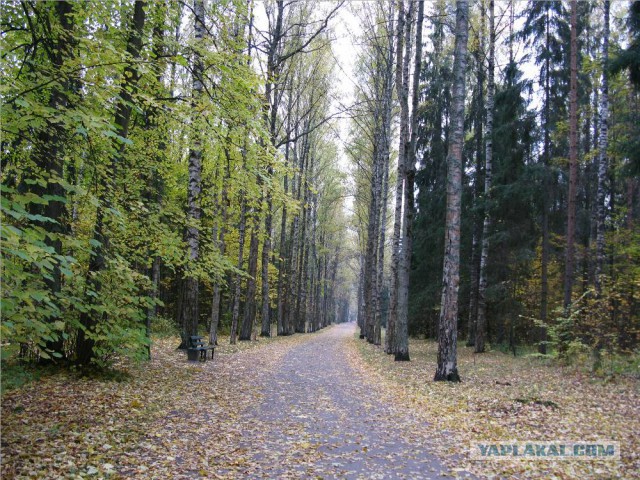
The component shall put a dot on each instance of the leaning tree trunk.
(573, 159)
(481, 325)
(447, 368)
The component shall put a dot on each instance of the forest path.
(321, 419)
(285, 408)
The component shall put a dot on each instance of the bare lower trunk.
(474, 286)
(266, 252)
(235, 315)
(215, 302)
(370, 297)
(152, 312)
(250, 295)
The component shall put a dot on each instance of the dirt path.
(320, 419)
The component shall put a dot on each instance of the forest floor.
(323, 405)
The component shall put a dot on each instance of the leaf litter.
(323, 405)
(502, 398)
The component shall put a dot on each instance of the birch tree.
(481, 326)
(447, 368)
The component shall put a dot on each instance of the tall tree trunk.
(250, 295)
(361, 296)
(447, 368)
(237, 287)
(273, 103)
(370, 276)
(390, 340)
(377, 340)
(544, 267)
(49, 157)
(300, 317)
(401, 351)
(219, 239)
(474, 268)
(387, 105)
(603, 143)
(124, 108)
(569, 271)
(484, 255)
(282, 265)
(266, 252)
(155, 188)
(299, 157)
(190, 311)
(402, 325)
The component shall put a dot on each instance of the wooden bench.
(198, 350)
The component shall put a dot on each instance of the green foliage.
(31, 313)
(163, 326)
(122, 305)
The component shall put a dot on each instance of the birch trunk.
(390, 340)
(447, 368)
(370, 297)
(477, 219)
(603, 143)
(481, 326)
(400, 299)
(402, 321)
